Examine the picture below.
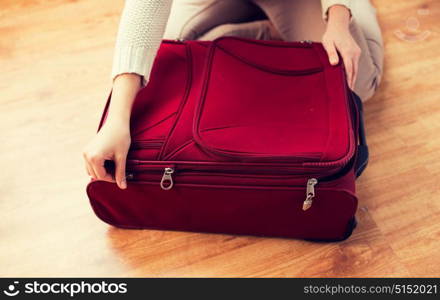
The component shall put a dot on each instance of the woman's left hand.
(337, 37)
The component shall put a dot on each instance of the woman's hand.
(338, 37)
(110, 143)
(113, 140)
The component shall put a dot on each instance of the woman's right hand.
(113, 139)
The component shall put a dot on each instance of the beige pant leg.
(368, 34)
(192, 19)
(258, 30)
(293, 20)
(302, 20)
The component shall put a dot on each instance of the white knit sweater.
(141, 30)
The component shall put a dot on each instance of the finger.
(90, 171)
(108, 177)
(97, 164)
(331, 52)
(348, 69)
(120, 171)
(87, 165)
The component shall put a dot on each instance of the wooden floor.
(55, 61)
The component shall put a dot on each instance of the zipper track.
(269, 43)
(201, 102)
(218, 172)
(351, 114)
(147, 144)
(307, 168)
(267, 169)
(299, 72)
(299, 180)
(233, 173)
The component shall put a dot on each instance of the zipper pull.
(310, 194)
(167, 178)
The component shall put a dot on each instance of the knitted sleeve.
(326, 4)
(140, 32)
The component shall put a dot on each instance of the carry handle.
(362, 153)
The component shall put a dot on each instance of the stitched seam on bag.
(155, 124)
(199, 111)
(104, 113)
(342, 160)
(178, 150)
(182, 103)
(302, 72)
(318, 54)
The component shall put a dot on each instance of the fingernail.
(333, 61)
(123, 184)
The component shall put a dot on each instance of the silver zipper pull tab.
(310, 193)
(167, 180)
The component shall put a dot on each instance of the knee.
(188, 33)
(260, 30)
(221, 30)
(366, 89)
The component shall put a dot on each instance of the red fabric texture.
(244, 124)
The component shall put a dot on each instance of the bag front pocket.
(251, 112)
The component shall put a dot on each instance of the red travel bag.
(241, 136)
